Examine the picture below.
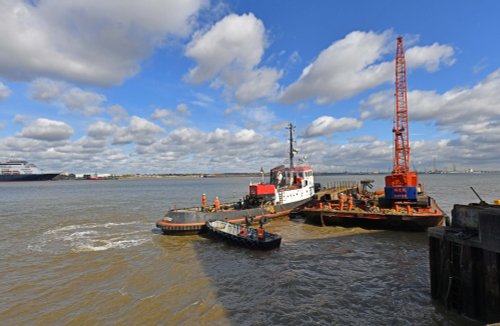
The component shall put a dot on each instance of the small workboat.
(242, 236)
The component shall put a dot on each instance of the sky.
(200, 86)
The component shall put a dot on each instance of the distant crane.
(401, 184)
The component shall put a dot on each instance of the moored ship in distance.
(20, 170)
(288, 189)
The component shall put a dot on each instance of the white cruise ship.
(19, 170)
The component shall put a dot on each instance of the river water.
(88, 252)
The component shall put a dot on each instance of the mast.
(291, 127)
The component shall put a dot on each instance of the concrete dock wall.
(465, 262)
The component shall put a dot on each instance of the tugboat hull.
(193, 220)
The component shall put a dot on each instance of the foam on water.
(92, 237)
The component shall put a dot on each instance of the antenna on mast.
(291, 127)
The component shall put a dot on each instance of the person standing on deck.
(260, 231)
(217, 203)
(350, 202)
(203, 201)
(279, 178)
(341, 201)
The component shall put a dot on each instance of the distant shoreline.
(253, 175)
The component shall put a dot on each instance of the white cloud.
(47, 90)
(471, 113)
(203, 100)
(78, 100)
(257, 117)
(140, 131)
(172, 117)
(123, 137)
(86, 40)
(73, 99)
(364, 139)
(245, 136)
(161, 113)
(21, 119)
(345, 68)
(47, 130)
(218, 135)
(229, 53)
(4, 91)
(185, 136)
(118, 113)
(352, 65)
(101, 130)
(231, 150)
(326, 125)
(430, 57)
(456, 107)
(233, 41)
(183, 109)
(258, 83)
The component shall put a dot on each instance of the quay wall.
(465, 262)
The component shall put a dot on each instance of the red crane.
(401, 184)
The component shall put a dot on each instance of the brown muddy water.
(88, 253)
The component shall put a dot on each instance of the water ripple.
(92, 237)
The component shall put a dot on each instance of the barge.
(372, 210)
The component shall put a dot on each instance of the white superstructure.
(297, 184)
(15, 167)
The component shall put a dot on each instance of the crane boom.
(400, 130)
(401, 184)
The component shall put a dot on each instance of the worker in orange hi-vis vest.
(203, 201)
(217, 203)
(350, 202)
(341, 201)
(260, 233)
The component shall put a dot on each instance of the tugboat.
(289, 188)
(403, 203)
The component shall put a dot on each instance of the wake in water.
(92, 237)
